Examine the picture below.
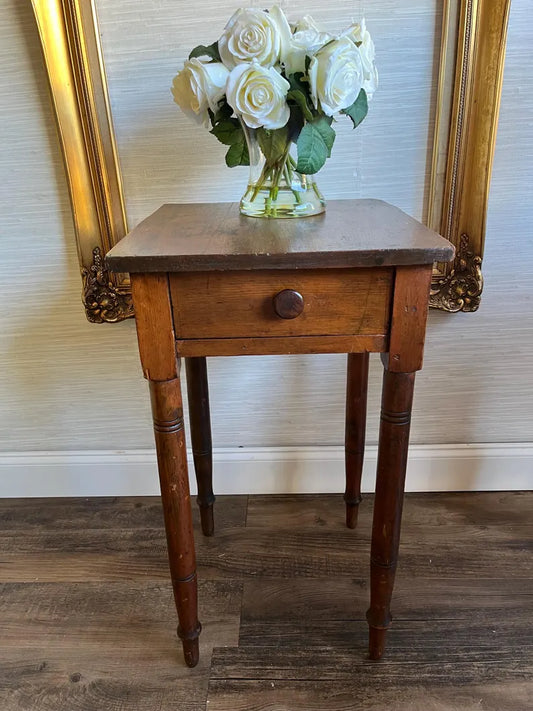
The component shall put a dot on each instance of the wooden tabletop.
(214, 236)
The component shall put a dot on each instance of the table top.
(214, 236)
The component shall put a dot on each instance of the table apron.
(378, 343)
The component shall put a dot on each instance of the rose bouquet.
(269, 91)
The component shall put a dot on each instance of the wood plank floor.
(87, 619)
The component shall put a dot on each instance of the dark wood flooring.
(87, 618)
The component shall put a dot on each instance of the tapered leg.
(396, 407)
(198, 394)
(172, 462)
(354, 442)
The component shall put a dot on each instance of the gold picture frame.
(469, 87)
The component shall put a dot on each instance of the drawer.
(247, 304)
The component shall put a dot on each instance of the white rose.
(199, 86)
(336, 76)
(283, 30)
(258, 95)
(361, 36)
(307, 39)
(355, 32)
(251, 35)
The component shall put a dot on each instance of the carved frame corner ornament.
(460, 289)
(103, 302)
(469, 87)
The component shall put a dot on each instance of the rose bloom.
(307, 39)
(336, 76)
(361, 36)
(258, 95)
(253, 35)
(198, 87)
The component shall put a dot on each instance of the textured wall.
(66, 384)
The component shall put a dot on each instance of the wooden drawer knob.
(288, 303)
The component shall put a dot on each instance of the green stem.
(268, 205)
(265, 174)
(317, 193)
(274, 190)
(284, 167)
(288, 177)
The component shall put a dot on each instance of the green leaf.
(298, 83)
(322, 125)
(238, 155)
(210, 51)
(312, 150)
(223, 111)
(273, 143)
(228, 132)
(300, 100)
(358, 110)
(295, 123)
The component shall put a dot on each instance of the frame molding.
(68, 31)
(460, 178)
(469, 88)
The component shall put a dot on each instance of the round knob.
(288, 303)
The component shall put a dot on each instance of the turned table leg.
(396, 406)
(200, 421)
(404, 358)
(157, 348)
(354, 442)
(172, 461)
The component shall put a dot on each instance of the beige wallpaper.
(66, 384)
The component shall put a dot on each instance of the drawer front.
(246, 304)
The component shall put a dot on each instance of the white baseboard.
(265, 470)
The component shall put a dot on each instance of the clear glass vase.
(275, 188)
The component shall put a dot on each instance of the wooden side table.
(209, 282)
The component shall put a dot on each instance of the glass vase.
(275, 188)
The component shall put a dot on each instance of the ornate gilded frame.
(469, 87)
